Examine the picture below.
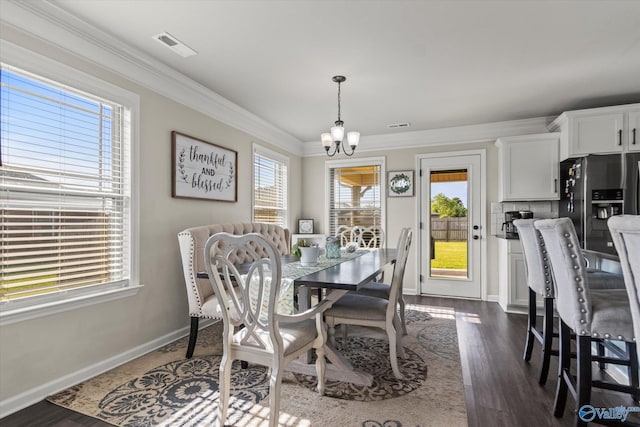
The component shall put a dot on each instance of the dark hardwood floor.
(500, 388)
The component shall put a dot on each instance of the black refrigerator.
(596, 187)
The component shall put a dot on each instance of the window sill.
(9, 315)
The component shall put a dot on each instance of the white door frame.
(483, 214)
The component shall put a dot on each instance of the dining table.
(349, 273)
(336, 281)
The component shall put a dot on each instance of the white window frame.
(263, 151)
(42, 305)
(347, 163)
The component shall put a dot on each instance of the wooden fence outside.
(449, 229)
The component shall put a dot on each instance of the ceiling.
(434, 64)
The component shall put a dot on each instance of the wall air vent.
(174, 44)
(399, 125)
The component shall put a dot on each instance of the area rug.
(163, 388)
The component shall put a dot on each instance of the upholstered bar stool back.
(591, 314)
(625, 231)
(540, 282)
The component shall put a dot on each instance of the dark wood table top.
(350, 275)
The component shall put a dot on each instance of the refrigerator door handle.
(637, 212)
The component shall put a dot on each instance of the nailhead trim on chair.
(581, 300)
(578, 279)
(549, 291)
(192, 277)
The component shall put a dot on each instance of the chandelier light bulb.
(337, 133)
(327, 140)
(353, 138)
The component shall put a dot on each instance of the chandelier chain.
(339, 102)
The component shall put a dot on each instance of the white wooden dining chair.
(383, 290)
(371, 237)
(249, 301)
(348, 234)
(364, 310)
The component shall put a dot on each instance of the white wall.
(402, 211)
(41, 352)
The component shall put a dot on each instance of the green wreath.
(400, 184)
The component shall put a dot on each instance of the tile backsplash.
(544, 209)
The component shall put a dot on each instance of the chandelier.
(336, 135)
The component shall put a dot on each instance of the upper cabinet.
(606, 130)
(528, 167)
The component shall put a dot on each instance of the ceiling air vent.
(174, 44)
(399, 125)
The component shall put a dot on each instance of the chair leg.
(547, 335)
(531, 325)
(404, 321)
(397, 326)
(274, 393)
(224, 388)
(193, 336)
(600, 347)
(344, 334)
(632, 352)
(320, 353)
(393, 356)
(583, 380)
(564, 364)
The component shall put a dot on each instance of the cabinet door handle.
(620, 137)
(555, 185)
(633, 132)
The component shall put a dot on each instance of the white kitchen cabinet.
(606, 130)
(528, 167)
(634, 130)
(512, 277)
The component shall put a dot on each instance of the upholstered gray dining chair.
(364, 310)
(625, 231)
(249, 301)
(592, 315)
(383, 290)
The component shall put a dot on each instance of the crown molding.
(50, 23)
(443, 136)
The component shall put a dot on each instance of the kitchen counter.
(506, 237)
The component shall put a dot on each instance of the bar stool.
(603, 272)
(593, 315)
(625, 231)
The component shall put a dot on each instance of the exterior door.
(451, 215)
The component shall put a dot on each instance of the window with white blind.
(355, 193)
(65, 190)
(270, 187)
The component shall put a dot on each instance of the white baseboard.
(36, 394)
(492, 298)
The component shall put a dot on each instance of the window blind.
(354, 197)
(64, 188)
(269, 189)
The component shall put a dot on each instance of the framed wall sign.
(202, 170)
(400, 183)
(305, 226)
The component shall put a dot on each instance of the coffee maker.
(507, 226)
